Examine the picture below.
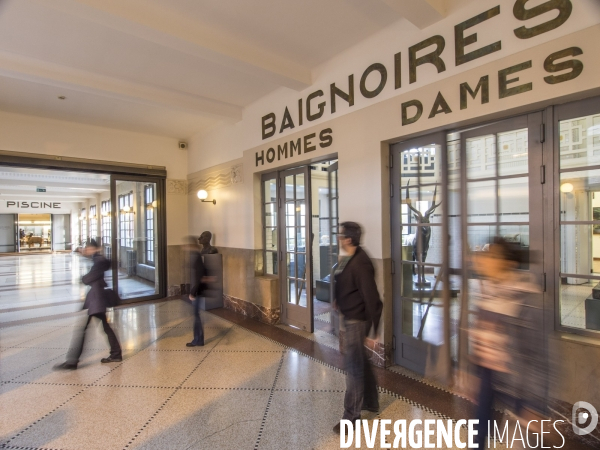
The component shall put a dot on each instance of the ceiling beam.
(42, 72)
(421, 13)
(163, 27)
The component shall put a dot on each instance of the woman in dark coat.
(96, 302)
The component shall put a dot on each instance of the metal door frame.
(290, 313)
(161, 232)
(402, 342)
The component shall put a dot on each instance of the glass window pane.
(290, 239)
(481, 156)
(481, 201)
(579, 246)
(580, 141)
(420, 165)
(291, 290)
(270, 215)
(580, 195)
(301, 238)
(578, 307)
(290, 214)
(300, 186)
(424, 244)
(271, 263)
(270, 190)
(270, 238)
(291, 265)
(289, 187)
(301, 214)
(513, 196)
(513, 149)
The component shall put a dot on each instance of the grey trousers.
(361, 388)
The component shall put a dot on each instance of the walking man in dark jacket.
(357, 298)
(198, 277)
(96, 302)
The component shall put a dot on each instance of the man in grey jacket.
(357, 298)
(96, 302)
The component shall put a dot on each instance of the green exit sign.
(40, 189)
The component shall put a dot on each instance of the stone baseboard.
(563, 411)
(252, 310)
(173, 291)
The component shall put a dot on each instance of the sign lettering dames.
(562, 60)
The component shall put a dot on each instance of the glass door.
(297, 237)
(419, 233)
(502, 173)
(137, 237)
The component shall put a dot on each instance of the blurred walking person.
(357, 298)
(96, 302)
(198, 277)
(506, 340)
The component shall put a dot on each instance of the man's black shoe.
(65, 366)
(110, 359)
(191, 344)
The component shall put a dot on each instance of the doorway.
(47, 212)
(299, 240)
(453, 193)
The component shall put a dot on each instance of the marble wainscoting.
(377, 352)
(252, 310)
(560, 410)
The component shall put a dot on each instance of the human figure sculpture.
(420, 240)
(204, 241)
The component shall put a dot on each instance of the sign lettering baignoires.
(412, 110)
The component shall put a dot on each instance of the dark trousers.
(198, 329)
(361, 388)
(484, 410)
(79, 338)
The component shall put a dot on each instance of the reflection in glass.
(300, 186)
(481, 201)
(481, 156)
(580, 142)
(580, 249)
(574, 295)
(270, 215)
(290, 214)
(270, 187)
(513, 147)
(271, 263)
(271, 238)
(290, 239)
(513, 196)
(289, 187)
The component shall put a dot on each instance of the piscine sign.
(312, 108)
(33, 205)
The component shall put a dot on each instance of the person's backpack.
(112, 298)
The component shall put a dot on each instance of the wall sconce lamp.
(154, 204)
(126, 209)
(566, 187)
(202, 195)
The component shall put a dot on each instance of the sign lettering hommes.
(412, 110)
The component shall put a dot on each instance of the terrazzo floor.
(241, 390)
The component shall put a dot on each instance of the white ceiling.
(175, 67)
(21, 184)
